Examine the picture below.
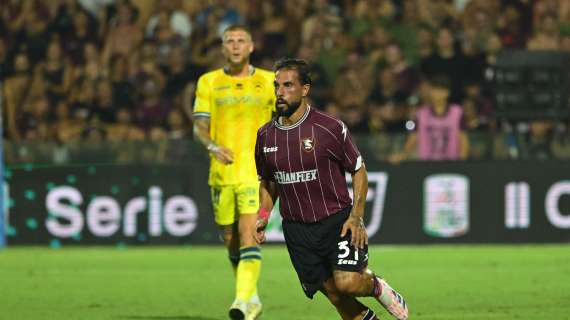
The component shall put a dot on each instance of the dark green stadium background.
(401, 211)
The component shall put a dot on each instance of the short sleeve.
(202, 101)
(260, 160)
(351, 159)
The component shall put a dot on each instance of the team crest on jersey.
(308, 144)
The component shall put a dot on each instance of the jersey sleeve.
(260, 160)
(346, 149)
(202, 101)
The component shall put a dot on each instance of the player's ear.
(306, 88)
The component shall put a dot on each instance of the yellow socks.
(248, 271)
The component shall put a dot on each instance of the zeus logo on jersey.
(269, 149)
(295, 177)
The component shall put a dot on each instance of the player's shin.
(248, 271)
(390, 299)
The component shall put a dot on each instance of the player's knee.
(347, 286)
(227, 234)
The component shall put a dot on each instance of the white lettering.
(70, 212)
(295, 177)
(517, 205)
(103, 216)
(553, 213)
(132, 208)
(154, 215)
(269, 149)
(180, 215)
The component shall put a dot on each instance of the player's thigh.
(224, 205)
(247, 198)
(309, 263)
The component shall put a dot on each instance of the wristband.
(212, 147)
(263, 214)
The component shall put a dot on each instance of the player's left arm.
(355, 221)
(352, 162)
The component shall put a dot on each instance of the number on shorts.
(343, 245)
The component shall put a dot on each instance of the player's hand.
(222, 154)
(359, 237)
(260, 226)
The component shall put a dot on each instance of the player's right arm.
(267, 188)
(202, 123)
(202, 132)
(267, 198)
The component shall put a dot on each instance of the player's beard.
(291, 107)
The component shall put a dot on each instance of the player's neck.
(239, 71)
(296, 116)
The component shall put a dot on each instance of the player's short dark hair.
(299, 65)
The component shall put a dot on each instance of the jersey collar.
(294, 125)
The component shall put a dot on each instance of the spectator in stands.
(166, 39)
(15, 90)
(446, 60)
(104, 108)
(439, 130)
(406, 77)
(178, 73)
(54, 72)
(546, 35)
(28, 25)
(477, 109)
(67, 128)
(152, 110)
(512, 25)
(91, 66)
(174, 16)
(76, 28)
(123, 89)
(537, 142)
(124, 130)
(353, 86)
(124, 36)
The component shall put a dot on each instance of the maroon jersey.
(308, 161)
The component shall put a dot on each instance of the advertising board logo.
(446, 205)
(103, 217)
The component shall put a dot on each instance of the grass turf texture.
(196, 283)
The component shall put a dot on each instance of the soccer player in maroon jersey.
(302, 156)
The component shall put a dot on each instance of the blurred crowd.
(120, 70)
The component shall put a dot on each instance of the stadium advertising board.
(451, 202)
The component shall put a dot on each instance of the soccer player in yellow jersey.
(231, 104)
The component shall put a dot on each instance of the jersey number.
(343, 246)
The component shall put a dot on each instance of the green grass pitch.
(196, 283)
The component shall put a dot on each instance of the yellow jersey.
(237, 108)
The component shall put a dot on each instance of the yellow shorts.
(232, 200)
